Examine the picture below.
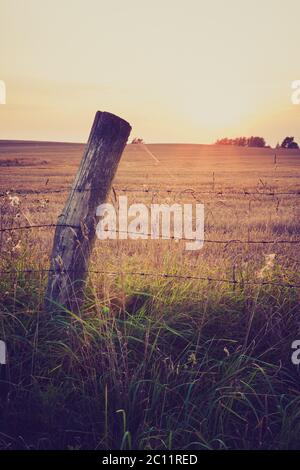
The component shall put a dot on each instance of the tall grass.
(173, 365)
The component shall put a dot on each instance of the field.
(174, 349)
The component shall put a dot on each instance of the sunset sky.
(178, 71)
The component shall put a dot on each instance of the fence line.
(191, 191)
(230, 241)
(161, 275)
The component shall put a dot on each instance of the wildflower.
(43, 203)
(192, 359)
(17, 247)
(269, 264)
(14, 201)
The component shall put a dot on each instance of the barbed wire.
(152, 190)
(241, 282)
(149, 235)
(191, 191)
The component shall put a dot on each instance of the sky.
(178, 71)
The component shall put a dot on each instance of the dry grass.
(154, 362)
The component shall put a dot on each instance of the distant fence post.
(76, 226)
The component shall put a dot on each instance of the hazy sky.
(178, 71)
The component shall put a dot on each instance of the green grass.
(175, 365)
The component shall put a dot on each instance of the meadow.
(174, 349)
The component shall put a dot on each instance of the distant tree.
(223, 141)
(289, 143)
(240, 141)
(256, 142)
(137, 140)
(243, 141)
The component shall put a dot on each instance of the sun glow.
(177, 72)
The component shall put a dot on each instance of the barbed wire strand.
(143, 234)
(159, 275)
(191, 191)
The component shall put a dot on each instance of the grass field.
(156, 362)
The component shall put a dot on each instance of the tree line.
(256, 141)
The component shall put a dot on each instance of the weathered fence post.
(76, 226)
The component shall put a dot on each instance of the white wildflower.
(17, 247)
(267, 268)
(14, 201)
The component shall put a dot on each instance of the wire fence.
(187, 277)
(194, 193)
(191, 191)
(149, 235)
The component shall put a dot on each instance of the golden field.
(156, 362)
(218, 176)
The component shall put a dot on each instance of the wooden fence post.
(76, 226)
